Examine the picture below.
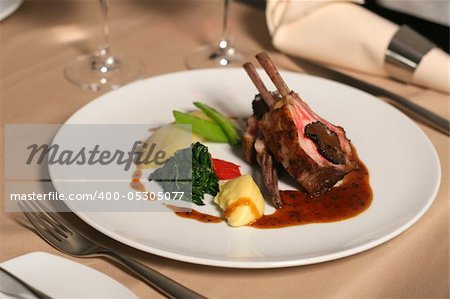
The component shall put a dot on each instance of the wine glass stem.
(224, 41)
(105, 46)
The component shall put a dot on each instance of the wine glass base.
(86, 73)
(211, 57)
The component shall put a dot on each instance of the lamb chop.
(316, 153)
(268, 169)
(254, 144)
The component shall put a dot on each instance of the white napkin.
(344, 34)
(59, 277)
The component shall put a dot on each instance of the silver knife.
(420, 113)
(13, 286)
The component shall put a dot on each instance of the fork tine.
(42, 215)
(57, 222)
(41, 228)
(61, 222)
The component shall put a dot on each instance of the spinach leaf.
(189, 171)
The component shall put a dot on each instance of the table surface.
(42, 37)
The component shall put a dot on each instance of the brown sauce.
(195, 215)
(135, 183)
(350, 198)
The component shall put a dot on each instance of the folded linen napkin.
(345, 34)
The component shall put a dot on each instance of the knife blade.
(418, 112)
(13, 286)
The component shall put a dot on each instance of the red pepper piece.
(225, 170)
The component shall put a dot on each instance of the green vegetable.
(205, 128)
(231, 130)
(189, 171)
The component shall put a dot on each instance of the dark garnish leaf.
(189, 171)
(259, 106)
(327, 142)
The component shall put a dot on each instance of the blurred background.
(430, 18)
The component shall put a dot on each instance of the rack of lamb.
(284, 131)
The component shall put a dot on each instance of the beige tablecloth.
(43, 36)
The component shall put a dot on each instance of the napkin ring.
(404, 53)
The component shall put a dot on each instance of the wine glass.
(220, 55)
(104, 69)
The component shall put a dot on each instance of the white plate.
(58, 277)
(403, 165)
(7, 7)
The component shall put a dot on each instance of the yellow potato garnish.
(241, 200)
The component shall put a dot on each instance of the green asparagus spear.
(229, 127)
(205, 128)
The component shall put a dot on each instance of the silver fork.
(66, 238)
